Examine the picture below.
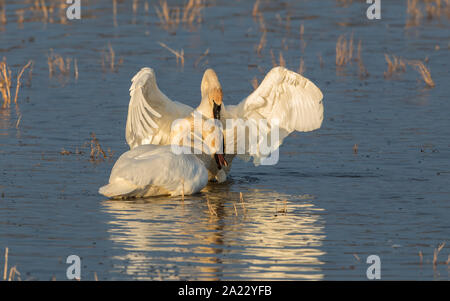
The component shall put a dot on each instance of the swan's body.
(151, 170)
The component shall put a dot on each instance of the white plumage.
(151, 170)
(284, 99)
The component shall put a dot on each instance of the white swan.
(151, 170)
(285, 96)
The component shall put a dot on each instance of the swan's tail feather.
(117, 189)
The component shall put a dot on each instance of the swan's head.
(212, 92)
(211, 105)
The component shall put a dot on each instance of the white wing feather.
(150, 112)
(291, 99)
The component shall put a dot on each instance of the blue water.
(390, 199)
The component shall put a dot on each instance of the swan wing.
(284, 99)
(150, 112)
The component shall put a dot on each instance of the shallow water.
(391, 198)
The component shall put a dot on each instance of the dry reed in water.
(436, 253)
(178, 54)
(115, 12)
(5, 270)
(319, 56)
(255, 83)
(3, 19)
(97, 153)
(355, 148)
(6, 83)
(241, 198)
(414, 13)
(424, 72)
(210, 208)
(344, 51)
(262, 43)
(396, 65)
(235, 209)
(19, 76)
(171, 17)
(202, 57)
(57, 62)
(301, 68)
(255, 10)
(362, 71)
(281, 62)
(109, 59)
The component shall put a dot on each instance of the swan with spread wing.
(284, 99)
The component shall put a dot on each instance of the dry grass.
(109, 62)
(171, 17)
(355, 148)
(281, 60)
(75, 67)
(3, 19)
(57, 64)
(344, 50)
(321, 63)
(414, 13)
(211, 210)
(6, 82)
(362, 71)
(11, 274)
(235, 209)
(204, 55)
(97, 153)
(178, 54)
(432, 9)
(20, 17)
(301, 68)
(262, 43)
(255, 83)
(115, 12)
(436, 253)
(255, 11)
(424, 72)
(241, 199)
(396, 65)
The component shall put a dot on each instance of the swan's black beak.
(220, 159)
(216, 111)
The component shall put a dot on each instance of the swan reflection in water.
(170, 239)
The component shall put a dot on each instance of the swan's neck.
(205, 108)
